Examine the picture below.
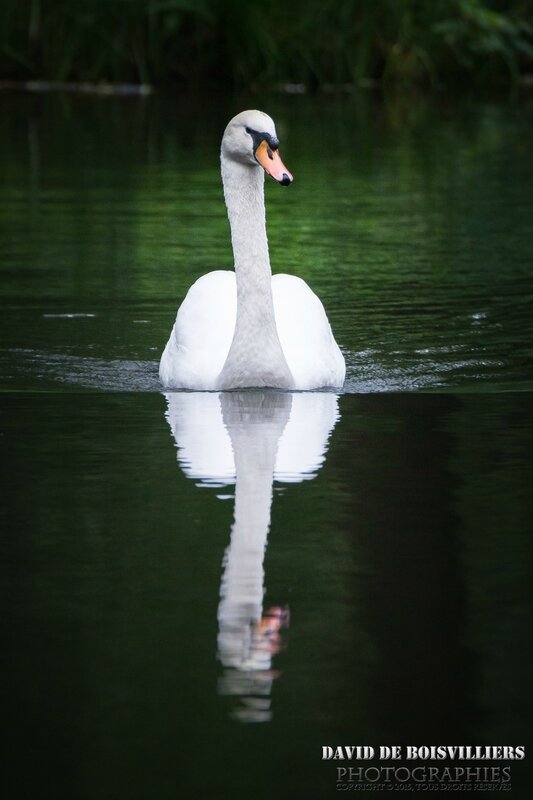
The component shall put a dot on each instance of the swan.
(247, 328)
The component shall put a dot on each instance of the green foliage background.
(250, 43)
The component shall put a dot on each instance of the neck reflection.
(251, 439)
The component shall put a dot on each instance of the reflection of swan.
(247, 328)
(250, 439)
(205, 450)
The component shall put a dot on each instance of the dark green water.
(396, 517)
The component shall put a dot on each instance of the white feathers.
(247, 328)
(200, 340)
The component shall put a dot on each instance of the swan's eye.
(262, 136)
(256, 136)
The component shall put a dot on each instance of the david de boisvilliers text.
(425, 752)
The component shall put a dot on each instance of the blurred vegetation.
(249, 43)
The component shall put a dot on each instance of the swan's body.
(248, 328)
(198, 347)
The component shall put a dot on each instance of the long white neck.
(255, 357)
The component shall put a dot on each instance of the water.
(202, 590)
(412, 224)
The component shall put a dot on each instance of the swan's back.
(203, 332)
(305, 334)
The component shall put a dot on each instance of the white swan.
(248, 328)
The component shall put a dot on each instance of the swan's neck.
(255, 357)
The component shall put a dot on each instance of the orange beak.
(272, 164)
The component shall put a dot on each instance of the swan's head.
(251, 138)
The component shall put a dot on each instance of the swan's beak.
(272, 163)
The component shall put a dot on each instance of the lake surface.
(201, 590)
